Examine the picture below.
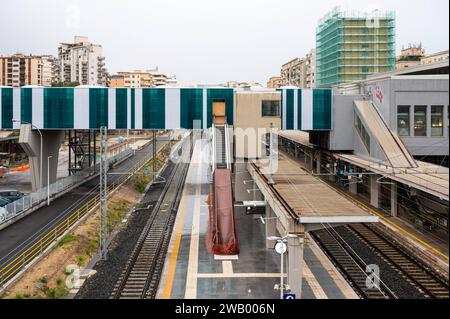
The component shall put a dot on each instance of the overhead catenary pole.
(103, 192)
(154, 155)
(48, 179)
(270, 154)
(282, 273)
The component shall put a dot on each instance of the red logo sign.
(379, 94)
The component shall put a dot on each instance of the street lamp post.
(40, 160)
(281, 243)
(48, 179)
(282, 270)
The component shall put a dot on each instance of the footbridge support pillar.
(51, 140)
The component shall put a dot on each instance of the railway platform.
(191, 272)
(427, 178)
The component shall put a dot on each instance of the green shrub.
(67, 240)
(80, 260)
(59, 281)
(55, 293)
(140, 182)
(42, 280)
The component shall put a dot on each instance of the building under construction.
(352, 45)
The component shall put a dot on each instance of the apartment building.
(300, 72)
(172, 80)
(137, 79)
(241, 85)
(275, 82)
(159, 79)
(409, 57)
(50, 70)
(310, 69)
(142, 79)
(352, 45)
(117, 81)
(19, 70)
(293, 72)
(82, 62)
(436, 57)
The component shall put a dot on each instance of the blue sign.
(289, 296)
(146, 171)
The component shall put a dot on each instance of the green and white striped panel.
(112, 108)
(6, 107)
(58, 108)
(117, 108)
(81, 107)
(172, 109)
(306, 109)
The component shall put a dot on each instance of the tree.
(64, 84)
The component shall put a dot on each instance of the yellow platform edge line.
(174, 256)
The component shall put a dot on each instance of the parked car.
(11, 194)
(4, 202)
(3, 212)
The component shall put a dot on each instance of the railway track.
(353, 267)
(140, 277)
(429, 284)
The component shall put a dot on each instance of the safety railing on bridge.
(12, 267)
(31, 200)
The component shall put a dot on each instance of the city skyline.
(190, 42)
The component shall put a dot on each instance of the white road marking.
(240, 275)
(191, 280)
(227, 266)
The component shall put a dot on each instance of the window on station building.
(420, 120)
(403, 120)
(270, 108)
(437, 120)
(365, 137)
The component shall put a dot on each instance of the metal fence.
(31, 200)
(18, 262)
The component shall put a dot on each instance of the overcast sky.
(202, 41)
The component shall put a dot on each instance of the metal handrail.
(214, 161)
(227, 147)
(11, 269)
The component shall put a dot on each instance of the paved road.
(14, 238)
(21, 181)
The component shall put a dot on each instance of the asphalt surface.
(18, 236)
(21, 181)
